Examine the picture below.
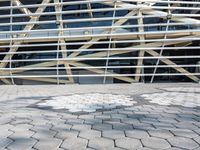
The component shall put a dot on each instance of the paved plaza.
(100, 117)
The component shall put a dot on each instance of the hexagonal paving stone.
(115, 148)
(48, 143)
(81, 127)
(90, 134)
(67, 134)
(184, 133)
(155, 143)
(102, 126)
(160, 133)
(138, 134)
(22, 143)
(113, 134)
(174, 148)
(182, 142)
(74, 143)
(197, 139)
(144, 148)
(128, 143)
(101, 143)
(122, 126)
(4, 142)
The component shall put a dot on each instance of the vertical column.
(163, 45)
(61, 40)
(11, 41)
(141, 52)
(110, 44)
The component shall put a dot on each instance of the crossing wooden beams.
(75, 45)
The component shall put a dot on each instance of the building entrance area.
(99, 41)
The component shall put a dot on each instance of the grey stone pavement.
(142, 126)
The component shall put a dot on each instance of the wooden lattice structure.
(99, 41)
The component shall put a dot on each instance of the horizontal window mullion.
(97, 1)
(131, 49)
(109, 35)
(96, 67)
(100, 58)
(100, 75)
(97, 27)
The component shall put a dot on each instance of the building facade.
(99, 41)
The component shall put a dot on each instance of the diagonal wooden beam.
(145, 45)
(152, 52)
(141, 52)
(177, 68)
(161, 13)
(101, 71)
(155, 12)
(26, 28)
(119, 22)
(48, 80)
(103, 54)
(24, 10)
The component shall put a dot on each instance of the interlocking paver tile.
(167, 120)
(160, 133)
(81, 127)
(69, 116)
(5, 120)
(184, 133)
(22, 134)
(115, 148)
(92, 121)
(85, 117)
(113, 134)
(144, 148)
(102, 126)
(130, 120)
(155, 143)
(122, 126)
(75, 143)
(138, 134)
(143, 126)
(125, 112)
(149, 120)
(61, 127)
(101, 143)
(74, 121)
(48, 144)
(5, 133)
(182, 142)
(4, 142)
(174, 148)
(22, 127)
(45, 133)
(90, 134)
(118, 116)
(103, 116)
(66, 134)
(154, 125)
(197, 123)
(128, 143)
(21, 121)
(22, 143)
(163, 125)
(186, 125)
(197, 139)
